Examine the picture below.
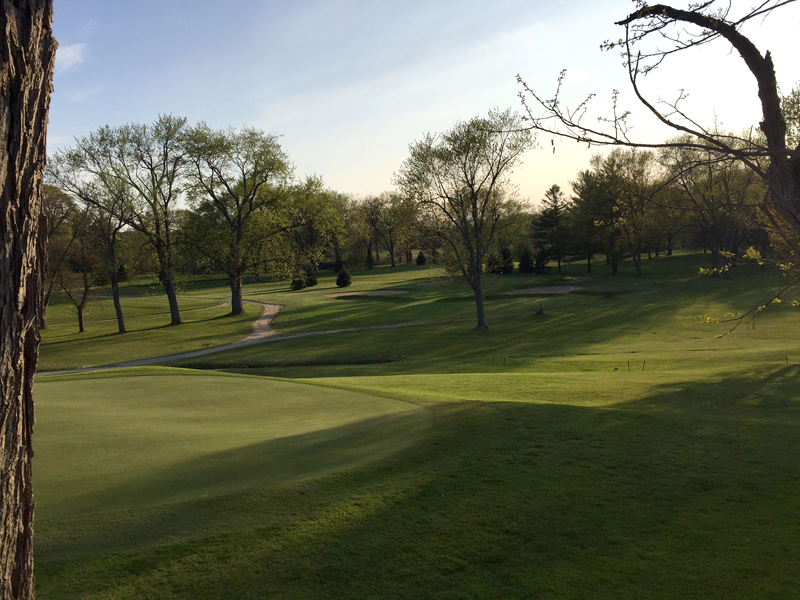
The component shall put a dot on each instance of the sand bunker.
(368, 293)
(545, 289)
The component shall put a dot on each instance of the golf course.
(620, 445)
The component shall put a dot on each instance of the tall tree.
(150, 161)
(593, 212)
(57, 208)
(240, 174)
(460, 181)
(83, 264)
(549, 225)
(676, 30)
(110, 202)
(26, 72)
(720, 195)
(314, 223)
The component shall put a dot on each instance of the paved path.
(263, 331)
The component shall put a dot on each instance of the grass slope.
(550, 470)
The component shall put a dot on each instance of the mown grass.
(559, 474)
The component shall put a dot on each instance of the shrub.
(526, 264)
(500, 264)
(338, 265)
(311, 277)
(298, 282)
(421, 260)
(343, 279)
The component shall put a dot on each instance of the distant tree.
(593, 212)
(421, 260)
(240, 175)
(719, 193)
(57, 208)
(633, 175)
(459, 181)
(110, 202)
(26, 71)
(314, 223)
(526, 264)
(84, 264)
(150, 161)
(549, 225)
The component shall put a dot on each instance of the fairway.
(614, 447)
(144, 437)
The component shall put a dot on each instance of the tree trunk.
(26, 71)
(81, 328)
(169, 287)
(369, 255)
(479, 301)
(588, 263)
(669, 245)
(637, 264)
(117, 306)
(237, 304)
(614, 264)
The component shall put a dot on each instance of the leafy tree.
(26, 70)
(84, 262)
(240, 176)
(314, 224)
(57, 208)
(719, 193)
(459, 181)
(110, 201)
(150, 162)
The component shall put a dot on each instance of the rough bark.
(26, 71)
(478, 287)
(237, 304)
(172, 297)
(117, 305)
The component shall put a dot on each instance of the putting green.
(142, 437)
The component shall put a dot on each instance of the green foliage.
(343, 279)
(526, 264)
(310, 277)
(298, 282)
(207, 490)
(501, 263)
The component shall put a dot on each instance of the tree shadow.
(502, 500)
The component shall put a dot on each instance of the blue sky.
(349, 84)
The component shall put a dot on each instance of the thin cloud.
(70, 55)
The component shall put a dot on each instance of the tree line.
(173, 199)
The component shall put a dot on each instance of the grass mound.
(125, 439)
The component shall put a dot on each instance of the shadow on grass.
(502, 500)
(262, 465)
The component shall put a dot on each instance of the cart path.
(263, 331)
